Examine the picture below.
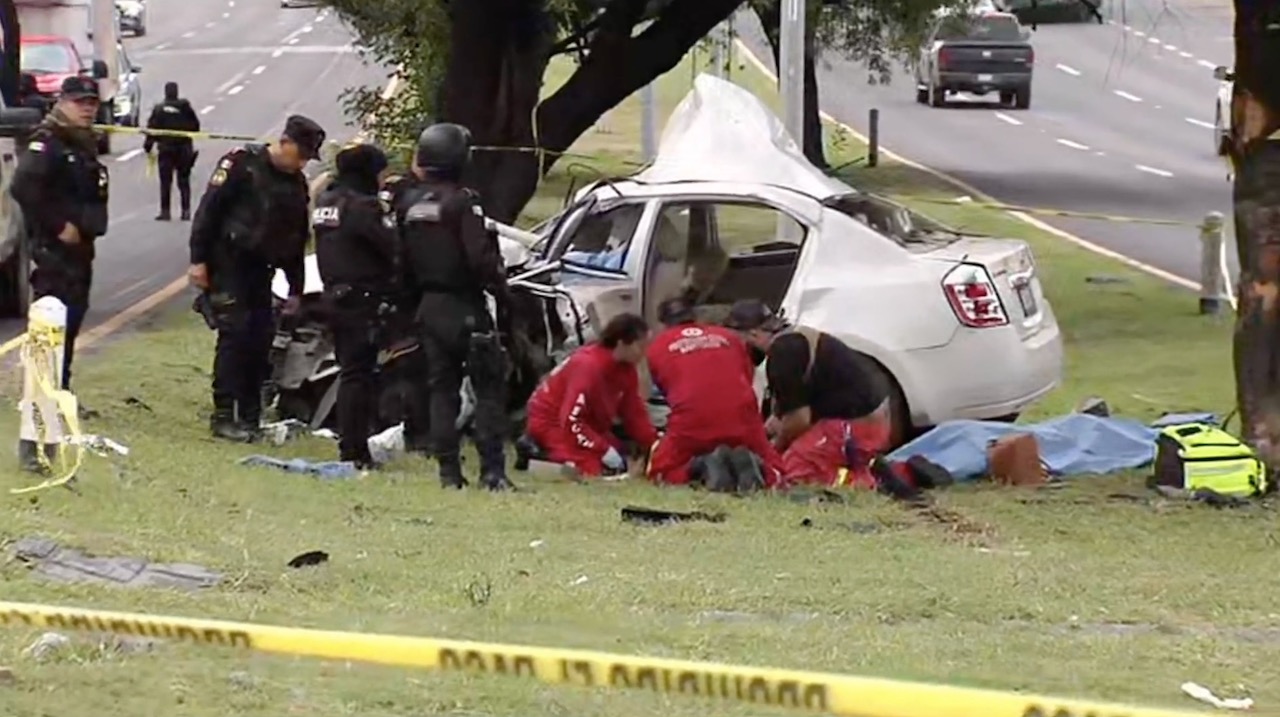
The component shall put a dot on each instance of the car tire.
(937, 96)
(900, 428)
(1022, 99)
(1007, 97)
(922, 95)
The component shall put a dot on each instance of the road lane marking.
(162, 45)
(1127, 96)
(1153, 40)
(1069, 70)
(189, 34)
(1007, 119)
(129, 155)
(293, 41)
(206, 110)
(1071, 144)
(1207, 64)
(259, 69)
(278, 52)
(305, 29)
(211, 23)
(1152, 170)
(236, 90)
(226, 15)
(1186, 54)
(1201, 123)
(1171, 48)
(1137, 33)
(229, 83)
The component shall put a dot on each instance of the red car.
(52, 59)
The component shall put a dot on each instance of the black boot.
(29, 458)
(251, 422)
(747, 468)
(451, 472)
(186, 215)
(163, 216)
(223, 425)
(493, 470)
(717, 473)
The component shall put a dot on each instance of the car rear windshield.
(904, 226)
(46, 58)
(986, 28)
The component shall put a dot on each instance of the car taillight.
(1031, 56)
(944, 57)
(973, 297)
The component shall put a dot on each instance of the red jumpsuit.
(571, 414)
(706, 374)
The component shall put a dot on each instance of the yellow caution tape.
(1046, 212)
(151, 165)
(119, 129)
(809, 691)
(39, 346)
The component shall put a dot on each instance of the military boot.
(748, 469)
(493, 470)
(223, 424)
(717, 472)
(29, 457)
(451, 472)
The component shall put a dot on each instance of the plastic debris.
(281, 432)
(100, 444)
(325, 470)
(1205, 695)
(387, 445)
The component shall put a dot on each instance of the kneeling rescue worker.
(452, 261)
(706, 374)
(572, 412)
(830, 403)
(357, 250)
(252, 219)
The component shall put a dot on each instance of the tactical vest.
(259, 220)
(86, 179)
(433, 247)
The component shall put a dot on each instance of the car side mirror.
(100, 71)
(17, 120)
(1221, 73)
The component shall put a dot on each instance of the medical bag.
(1201, 456)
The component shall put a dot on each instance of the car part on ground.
(977, 54)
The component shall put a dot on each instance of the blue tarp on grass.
(1078, 444)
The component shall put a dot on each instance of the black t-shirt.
(842, 383)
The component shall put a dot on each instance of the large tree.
(1255, 151)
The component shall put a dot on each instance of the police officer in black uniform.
(358, 251)
(177, 155)
(63, 190)
(252, 219)
(452, 261)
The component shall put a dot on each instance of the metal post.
(1214, 292)
(873, 138)
(730, 36)
(791, 67)
(648, 123)
(717, 50)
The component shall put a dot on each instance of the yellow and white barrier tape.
(808, 691)
(40, 341)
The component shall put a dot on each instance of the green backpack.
(1201, 456)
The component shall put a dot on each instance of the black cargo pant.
(65, 272)
(240, 287)
(174, 163)
(454, 347)
(354, 325)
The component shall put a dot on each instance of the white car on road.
(959, 323)
(1222, 109)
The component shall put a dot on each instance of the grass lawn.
(1073, 591)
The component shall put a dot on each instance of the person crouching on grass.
(572, 412)
(830, 403)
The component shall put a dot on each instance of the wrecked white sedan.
(730, 209)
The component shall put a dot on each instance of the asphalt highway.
(245, 65)
(1120, 123)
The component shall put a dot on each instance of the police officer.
(357, 249)
(252, 219)
(177, 155)
(452, 261)
(63, 189)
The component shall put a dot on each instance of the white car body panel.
(877, 295)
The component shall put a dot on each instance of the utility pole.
(648, 123)
(791, 34)
(718, 43)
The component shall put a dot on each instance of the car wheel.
(900, 428)
(1006, 97)
(937, 96)
(1022, 99)
(922, 95)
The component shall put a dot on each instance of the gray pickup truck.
(979, 54)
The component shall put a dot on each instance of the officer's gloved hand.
(613, 459)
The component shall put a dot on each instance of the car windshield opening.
(983, 28)
(602, 239)
(895, 221)
(46, 59)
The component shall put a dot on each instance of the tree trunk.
(771, 19)
(1255, 152)
(10, 35)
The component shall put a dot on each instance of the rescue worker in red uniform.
(572, 413)
(706, 374)
(830, 404)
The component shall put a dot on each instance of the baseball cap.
(305, 133)
(676, 310)
(78, 87)
(751, 314)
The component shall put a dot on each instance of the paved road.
(1119, 123)
(245, 65)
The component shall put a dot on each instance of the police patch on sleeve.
(219, 177)
(36, 147)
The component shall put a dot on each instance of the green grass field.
(1095, 590)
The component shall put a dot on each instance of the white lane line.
(1171, 48)
(259, 69)
(211, 23)
(206, 110)
(188, 34)
(278, 52)
(1072, 145)
(1206, 63)
(1152, 170)
(1185, 54)
(1069, 70)
(1007, 119)
(129, 155)
(1127, 96)
(231, 3)
(226, 15)
(235, 90)
(1154, 40)
(1137, 33)
(293, 41)
(305, 29)
(162, 45)
(1200, 123)
(235, 79)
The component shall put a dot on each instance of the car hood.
(722, 132)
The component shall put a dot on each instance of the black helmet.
(443, 148)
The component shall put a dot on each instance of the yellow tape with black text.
(808, 691)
